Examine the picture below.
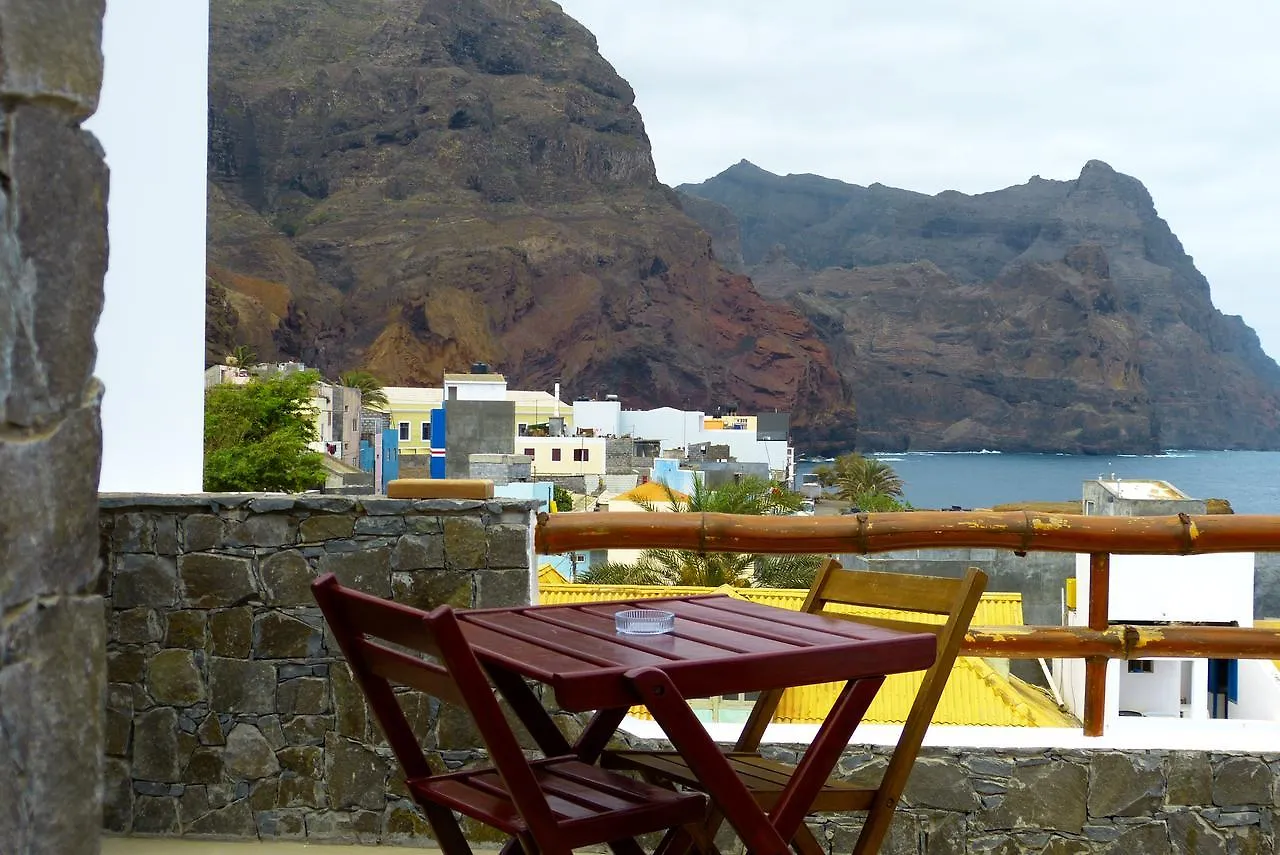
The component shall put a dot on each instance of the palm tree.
(372, 397)
(859, 476)
(243, 357)
(745, 495)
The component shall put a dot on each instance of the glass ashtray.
(644, 622)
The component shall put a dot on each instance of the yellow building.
(734, 422)
(654, 494)
(410, 409)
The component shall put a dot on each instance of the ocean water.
(1250, 480)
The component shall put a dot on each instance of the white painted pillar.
(1200, 688)
(152, 123)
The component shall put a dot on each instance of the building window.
(1141, 666)
(404, 431)
(426, 431)
(581, 455)
(528, 452)
(522, 430)
(555, 454)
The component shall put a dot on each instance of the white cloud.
(945, 94)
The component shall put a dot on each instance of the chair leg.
(805, 843)
(706, 761)
(448, 833)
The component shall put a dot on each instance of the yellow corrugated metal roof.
(651, 491)
(976, 694)
(548, 575)
(997, 609)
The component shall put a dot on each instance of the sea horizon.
(983, 478)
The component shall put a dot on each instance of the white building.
(1164, 589)
(678, 429)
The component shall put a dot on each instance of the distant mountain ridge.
(1049, 316)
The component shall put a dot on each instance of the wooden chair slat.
(405, 670)
(393, 622)
(891, 591)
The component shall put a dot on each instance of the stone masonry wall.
(53, 255)
(1063, 802)
(230, 711)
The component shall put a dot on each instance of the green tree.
(857, 476)
(256, 435)
(746, 495)
(562, 497)
(372, 396)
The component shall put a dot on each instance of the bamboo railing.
(1022, 531)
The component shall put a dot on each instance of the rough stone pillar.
(53, 255)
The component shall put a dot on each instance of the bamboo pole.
(1122, 642)
(1095, 667)
(1022, 531)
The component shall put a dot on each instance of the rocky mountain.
(410, 186)
(1050, 316)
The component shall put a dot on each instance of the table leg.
(706, 761)
(595, 739)
(532, 714)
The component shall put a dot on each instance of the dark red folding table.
(720, 645)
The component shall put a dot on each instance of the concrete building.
(1115, 497)
(564, 455)
(1162, 589)
(679, 429)
(417, 414)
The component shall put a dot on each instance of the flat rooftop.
(1139, 489)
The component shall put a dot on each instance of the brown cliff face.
(413, 186)
(1051, 316)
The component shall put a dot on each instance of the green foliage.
(859, 477)
(256, 435)
(372, 396)
(562, 497)
(747, 495)
(879, 503)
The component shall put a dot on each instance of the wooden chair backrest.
(956, 598)
(365, 625)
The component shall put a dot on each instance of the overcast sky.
(934, 95)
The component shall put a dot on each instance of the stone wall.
(1064, 802)
(230, 711)
(53, 255)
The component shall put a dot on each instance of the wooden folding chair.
(551, 805)
(955, 598)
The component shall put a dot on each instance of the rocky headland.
(1050, 316)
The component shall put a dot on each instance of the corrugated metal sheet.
(976, 694)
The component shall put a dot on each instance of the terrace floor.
(172, 846)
